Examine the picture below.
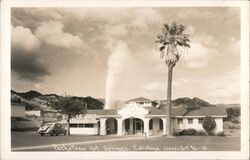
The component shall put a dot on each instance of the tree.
(208, 124)
(70, 107)
(172, 44)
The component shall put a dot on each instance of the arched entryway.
(111, 126)
(133, 126)
(155, 126)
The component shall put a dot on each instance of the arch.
(129, 116)
(111, 126)
(156, 126)
(132, 125)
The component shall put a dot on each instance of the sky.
(112, 51)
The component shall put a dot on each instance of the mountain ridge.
(98, 103)
(38, 100)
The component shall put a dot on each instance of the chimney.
(158, 103)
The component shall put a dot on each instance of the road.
(30, 141)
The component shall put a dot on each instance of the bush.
(233, 114)
(210, 133)
(188, 132)
(24, 129)
(230, 125)
(221, 134)
(201, 133)
(208, 124)
(176, 133)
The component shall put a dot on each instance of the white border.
(5, 82)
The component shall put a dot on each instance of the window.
(200, 120)
(73, 125)
(161, 124)
(190, 120)
(141, 102)
(81, 125)
(151, 124)
(179, 121)
(89, 125)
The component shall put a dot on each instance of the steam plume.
(116, 63)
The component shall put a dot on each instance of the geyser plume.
(116, 63)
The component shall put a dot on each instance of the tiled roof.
(202, 111)
(139, 99)
(181, 111)
(103, 112)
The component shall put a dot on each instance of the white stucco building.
(142, 117)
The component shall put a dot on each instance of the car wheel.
(42, 134)
(56, 134)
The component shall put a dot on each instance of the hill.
(27, 95)
(35, 100)
(188, 102)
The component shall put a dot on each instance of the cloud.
(198, 56)
(28, 66)
(234, 47)
(111, 15)
(25, 58)
(58, 32)
(205, 39)
(154, 90)
(49, 13)
(227, 86)
(146, 17)
(24, 39)
(115, 30)
(195, 13)
(214, 89)
(52, 33)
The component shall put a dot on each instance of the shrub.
(210, 133)
(176, 133)
(233, 114)
(188, 132)
(230, 125)
(201, 133)
(208, 124)
(221, 134)
(24, 129)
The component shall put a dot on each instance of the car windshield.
(48, 124)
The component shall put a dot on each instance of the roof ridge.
(139, 99)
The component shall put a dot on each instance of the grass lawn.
(116, 143)
(188, 143)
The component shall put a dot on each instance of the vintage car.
(53, 129)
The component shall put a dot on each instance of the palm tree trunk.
(68, 132)
(168, 109)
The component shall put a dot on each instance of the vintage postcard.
(124, 80)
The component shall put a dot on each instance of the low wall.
(35, 113)
(87, 131)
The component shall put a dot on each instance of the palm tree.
(172, 44)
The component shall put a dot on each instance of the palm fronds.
(171, 39)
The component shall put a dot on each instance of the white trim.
(119, 116)
(155, 116)
(108, 116)
(197, 116)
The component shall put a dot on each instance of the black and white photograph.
(134, 79)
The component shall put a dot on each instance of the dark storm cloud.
(28, 65)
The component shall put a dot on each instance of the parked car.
(53, 129)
